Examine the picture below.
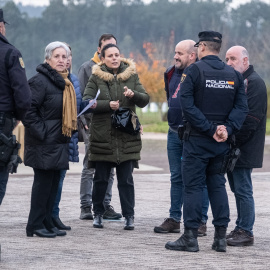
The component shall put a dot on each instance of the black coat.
(251, 136)
(15, 95)
(46, 147)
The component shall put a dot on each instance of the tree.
(151, 72)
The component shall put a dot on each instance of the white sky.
(46, 2)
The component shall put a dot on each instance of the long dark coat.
(251, 136)
(46, 147)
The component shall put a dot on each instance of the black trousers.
(125, 186)
(44, 191)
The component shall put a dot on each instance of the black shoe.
(220, 242)
(219, 245)
(57, 232)
(97, 223)
(86, 213)
(241, 238)
(187, 242)
(110, 213)
(129, 223)
(41, 233)
(60, 225)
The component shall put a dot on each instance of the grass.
(152, 122)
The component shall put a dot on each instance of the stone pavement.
(85, 247)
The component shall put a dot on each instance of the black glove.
(14, 161)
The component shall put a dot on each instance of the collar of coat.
(52, 74)
(126, 70)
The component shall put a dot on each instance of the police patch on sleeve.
(183, 77)
(21, 62)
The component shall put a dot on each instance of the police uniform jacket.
(14, 89)
(107, 143)
(212, 93)
(46, 147)
(251, 137)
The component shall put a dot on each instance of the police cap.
(209, 36)
(2, 16)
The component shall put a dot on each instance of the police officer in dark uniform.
(14, 103)
(215, 106)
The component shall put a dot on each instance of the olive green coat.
(107, 143)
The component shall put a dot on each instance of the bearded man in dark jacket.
(250, 139)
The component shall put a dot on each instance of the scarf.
(96, 58)
(69, 115)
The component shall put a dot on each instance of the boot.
(57, 232)
(41, 233)
(97, 223)
(129, 223)
(220, 242)
(187, 242)
(59, 224)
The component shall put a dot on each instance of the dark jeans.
(241, 185)
(44, 191)
(125, 186)
(3, 181)
(197, 152)
(56, 210)
(175, 150)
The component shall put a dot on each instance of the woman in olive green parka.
(119, 86)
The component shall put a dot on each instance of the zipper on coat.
(117, 150)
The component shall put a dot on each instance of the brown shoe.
(240, 238)
(168, 226)
(202, 230)
(231, 234)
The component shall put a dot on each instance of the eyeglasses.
(197, 45)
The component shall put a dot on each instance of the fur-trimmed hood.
(126, 70)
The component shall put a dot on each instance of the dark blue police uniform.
(15, 99)
(212, 93)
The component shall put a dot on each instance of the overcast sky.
(46, 2)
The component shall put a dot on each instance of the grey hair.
(54, 45)
(245, 53)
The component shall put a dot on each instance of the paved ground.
(113, 248)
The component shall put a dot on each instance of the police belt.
(186, 130)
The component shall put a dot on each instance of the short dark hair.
(110, 45)
(213, 46)
(105, 37)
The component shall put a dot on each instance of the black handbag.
(126, 120)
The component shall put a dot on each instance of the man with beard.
(185, 54)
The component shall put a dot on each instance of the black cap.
(2, 16)
(209, 36)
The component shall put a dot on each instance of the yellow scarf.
(69, 118)
(96, 58)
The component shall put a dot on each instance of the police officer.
(214, 105)
(14, 102)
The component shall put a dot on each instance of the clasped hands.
(221, 134)
(114, 105)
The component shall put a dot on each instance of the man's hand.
(128, 92)
(114, 105)
(221, 134)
